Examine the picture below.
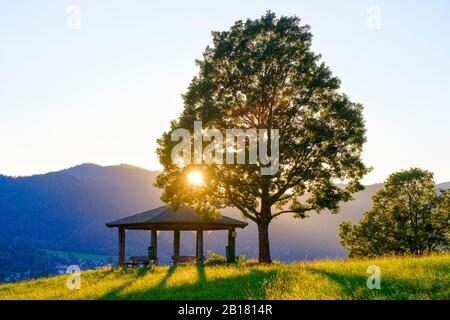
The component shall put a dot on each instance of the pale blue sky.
(106, 92)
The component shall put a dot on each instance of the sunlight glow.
(195, 178)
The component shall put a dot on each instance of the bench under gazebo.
(167, 219)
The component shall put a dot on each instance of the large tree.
(262, 74)
(409, 216)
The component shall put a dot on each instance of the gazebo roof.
(166, 218)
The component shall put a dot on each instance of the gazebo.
(184, 219)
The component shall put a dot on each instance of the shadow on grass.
(251, 285)
(115, 293)
(201, 273)
(166, 277)
(355, 287)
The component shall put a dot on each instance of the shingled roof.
(166, 218)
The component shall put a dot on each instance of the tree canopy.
(409, 216)
(262, 74)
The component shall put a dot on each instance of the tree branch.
(303, 210)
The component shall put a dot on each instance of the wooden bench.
(135, 261)
(183, 260)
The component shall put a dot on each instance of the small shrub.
(214, 258)
(240, 258)
(251, 263)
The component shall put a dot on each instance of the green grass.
(401, 278)
(77, 255)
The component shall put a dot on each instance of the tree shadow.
(247, 286)
(355, 286)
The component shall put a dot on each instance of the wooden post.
(121, 246)
(154, 243)
(231, 254)
(176, 244)
(199, 246)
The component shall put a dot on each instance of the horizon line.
(128, 165)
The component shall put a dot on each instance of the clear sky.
(105, 92)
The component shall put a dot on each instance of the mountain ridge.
(68, 209)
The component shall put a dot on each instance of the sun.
(195, 178)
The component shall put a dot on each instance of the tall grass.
(401, 278)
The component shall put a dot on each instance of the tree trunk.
(264, 246)
(263, 223)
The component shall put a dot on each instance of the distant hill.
(68, 209)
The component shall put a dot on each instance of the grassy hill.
(401, 278)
